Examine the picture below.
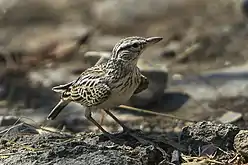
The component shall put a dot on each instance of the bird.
(109, 84)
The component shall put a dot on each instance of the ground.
(203, 53)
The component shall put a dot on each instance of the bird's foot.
(133, 133)
(136, 135)
(126, 132)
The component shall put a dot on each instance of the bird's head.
(129, 49)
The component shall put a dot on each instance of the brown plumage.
(108, 84)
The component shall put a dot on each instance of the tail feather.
(62, 88)
(57, 109)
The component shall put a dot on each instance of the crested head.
(129, 49)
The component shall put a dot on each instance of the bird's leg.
(89, 117)
(129, 130)
(111, 136)
(125, 128)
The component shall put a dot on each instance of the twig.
(155, 113)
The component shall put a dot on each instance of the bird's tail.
(57, 109)
(62, 88)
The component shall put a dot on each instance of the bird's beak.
(153, 40)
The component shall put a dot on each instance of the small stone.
(208, 149)
(177, 77)
(227, 63)
(175, 157)
(230, 117)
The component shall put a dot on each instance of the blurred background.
(198, 71)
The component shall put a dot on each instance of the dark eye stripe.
(134, 45)
(123, 48)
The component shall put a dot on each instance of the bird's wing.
(143, 85)
(89, 89)
(62, 88)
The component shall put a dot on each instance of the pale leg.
(89, 117)
(128, 130)
(125, 128)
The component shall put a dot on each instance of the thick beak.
(153, 40)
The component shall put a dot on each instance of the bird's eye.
(135, 45)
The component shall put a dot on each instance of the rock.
(175, 158)
(83, 149)
(230, 117)
(241, 143)
(202, 133)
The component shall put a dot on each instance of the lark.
(110, 84)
